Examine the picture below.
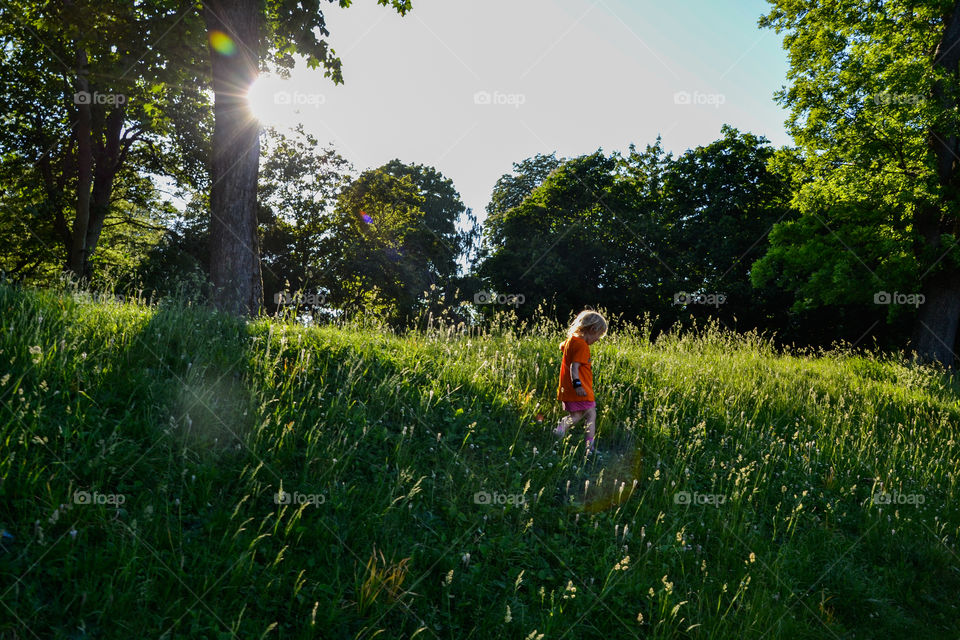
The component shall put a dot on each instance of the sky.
(472, 86)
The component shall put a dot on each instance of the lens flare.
(222, 43)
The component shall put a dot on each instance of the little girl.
(576, 379)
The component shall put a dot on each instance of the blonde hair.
(588, 321)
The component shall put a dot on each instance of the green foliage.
(630, 232)
(862, 113)
(391, 238)
(511, 189)
(299, 187)
(143, 109)
(295, 26)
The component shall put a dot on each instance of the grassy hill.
(168, 472)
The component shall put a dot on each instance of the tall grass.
(172, 472)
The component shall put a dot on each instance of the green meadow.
(171, 472)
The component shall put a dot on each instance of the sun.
(263, 100)
(284, 102)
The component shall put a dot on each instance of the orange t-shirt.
(575, 349)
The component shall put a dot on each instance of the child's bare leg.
(591, 421)
(568, 421)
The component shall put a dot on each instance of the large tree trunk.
(77, 257)
(105, 172)
(939, 317)
(234, 246)
(935, 331)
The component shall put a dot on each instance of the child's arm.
(574, 376)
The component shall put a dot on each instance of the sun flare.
(284, 102)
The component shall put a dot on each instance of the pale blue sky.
(561, 75)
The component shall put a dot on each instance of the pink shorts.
(579, 405)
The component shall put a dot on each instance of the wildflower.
(668, 586)
(508, 617)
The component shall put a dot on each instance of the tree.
(392, 237)
(632, 233)
(719, 201)
(300, 184)
(551, 247)
(512, 188)
(242, 32)
(874, 96)
(509, 191)
(88, 112)
(437, 239)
